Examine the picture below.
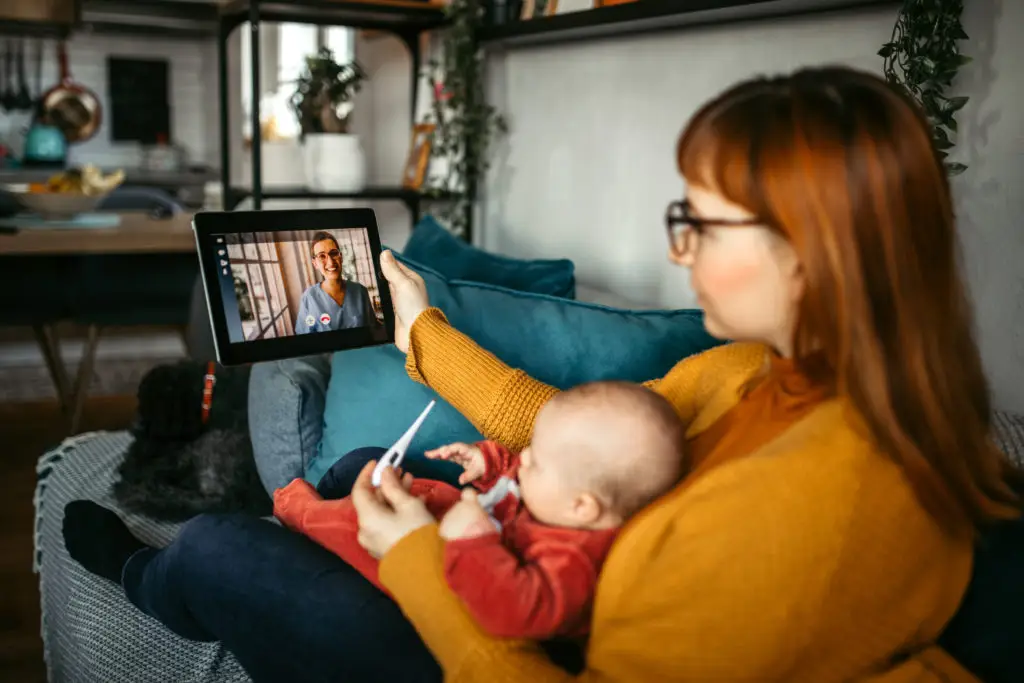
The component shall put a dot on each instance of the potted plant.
(332, 157)
(923, 57)
(466, 125)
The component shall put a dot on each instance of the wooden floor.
(26, 431)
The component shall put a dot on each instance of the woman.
(841, 460)
(335, 303)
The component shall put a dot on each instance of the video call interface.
(287, 283)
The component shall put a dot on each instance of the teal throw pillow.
(433, 246)
(371, 401)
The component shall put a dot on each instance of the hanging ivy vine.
(466, 125)
(923, 57)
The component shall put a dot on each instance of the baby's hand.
(466, 519)
(470, 457)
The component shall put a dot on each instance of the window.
(283, 54)
(256, 270)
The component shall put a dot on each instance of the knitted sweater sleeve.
(500, 401)
(503, 402)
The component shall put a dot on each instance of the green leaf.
(922, 58)
(942, 140)
(955, 168)
(955, 104)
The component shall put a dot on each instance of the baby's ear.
(587, 508)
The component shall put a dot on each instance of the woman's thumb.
(390, 267)
(392, 490)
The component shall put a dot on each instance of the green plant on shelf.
(323, 95)
(923, 57)
(465, 124)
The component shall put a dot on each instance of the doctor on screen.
(335, 303)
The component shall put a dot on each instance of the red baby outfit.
(528, 580)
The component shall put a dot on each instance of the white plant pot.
(334, 163)
(282, 165)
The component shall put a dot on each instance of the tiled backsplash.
(193, 96)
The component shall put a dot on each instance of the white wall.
(990, 194)
(589, 166)
(193, 93)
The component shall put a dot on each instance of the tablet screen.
(299, 282)
(284, 293)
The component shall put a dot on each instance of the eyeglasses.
(684, 229)
(324, 255)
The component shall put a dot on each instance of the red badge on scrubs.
(325, 319)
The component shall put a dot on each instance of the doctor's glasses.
(323, 256)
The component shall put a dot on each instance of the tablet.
(282, 284)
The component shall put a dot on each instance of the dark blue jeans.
(288, 609)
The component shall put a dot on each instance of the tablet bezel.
(208, 224)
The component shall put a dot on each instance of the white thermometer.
(393, 456)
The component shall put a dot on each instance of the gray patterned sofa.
(91, 633)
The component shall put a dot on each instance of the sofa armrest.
(286, 416)
(1008, 429)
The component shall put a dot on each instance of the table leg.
(49, 346)
(85, 367)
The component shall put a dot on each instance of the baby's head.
(600, 452)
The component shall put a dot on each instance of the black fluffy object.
(178, 466)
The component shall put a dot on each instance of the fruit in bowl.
(67, 194)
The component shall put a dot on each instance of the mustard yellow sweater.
(806, 560)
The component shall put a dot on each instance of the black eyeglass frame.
(679, 214)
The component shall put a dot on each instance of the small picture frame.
(419, 156)
(538, 8)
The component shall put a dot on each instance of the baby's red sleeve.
(499, 462)
(546, 594)
(331, 523)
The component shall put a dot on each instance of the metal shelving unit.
(650, 16)
(406, 20)
(411, 198)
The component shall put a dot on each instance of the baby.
(524, 556)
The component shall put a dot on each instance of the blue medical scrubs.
(357, 310)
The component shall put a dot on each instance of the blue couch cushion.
(286, 407)
(433, 246)
(371, 400)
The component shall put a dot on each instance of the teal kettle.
(45, 145)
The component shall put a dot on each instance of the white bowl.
(58, 205)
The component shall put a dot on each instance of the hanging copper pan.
(71, 107)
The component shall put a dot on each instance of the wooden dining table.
(137, 232)
(141, 248)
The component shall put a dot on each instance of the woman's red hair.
(842, 166)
